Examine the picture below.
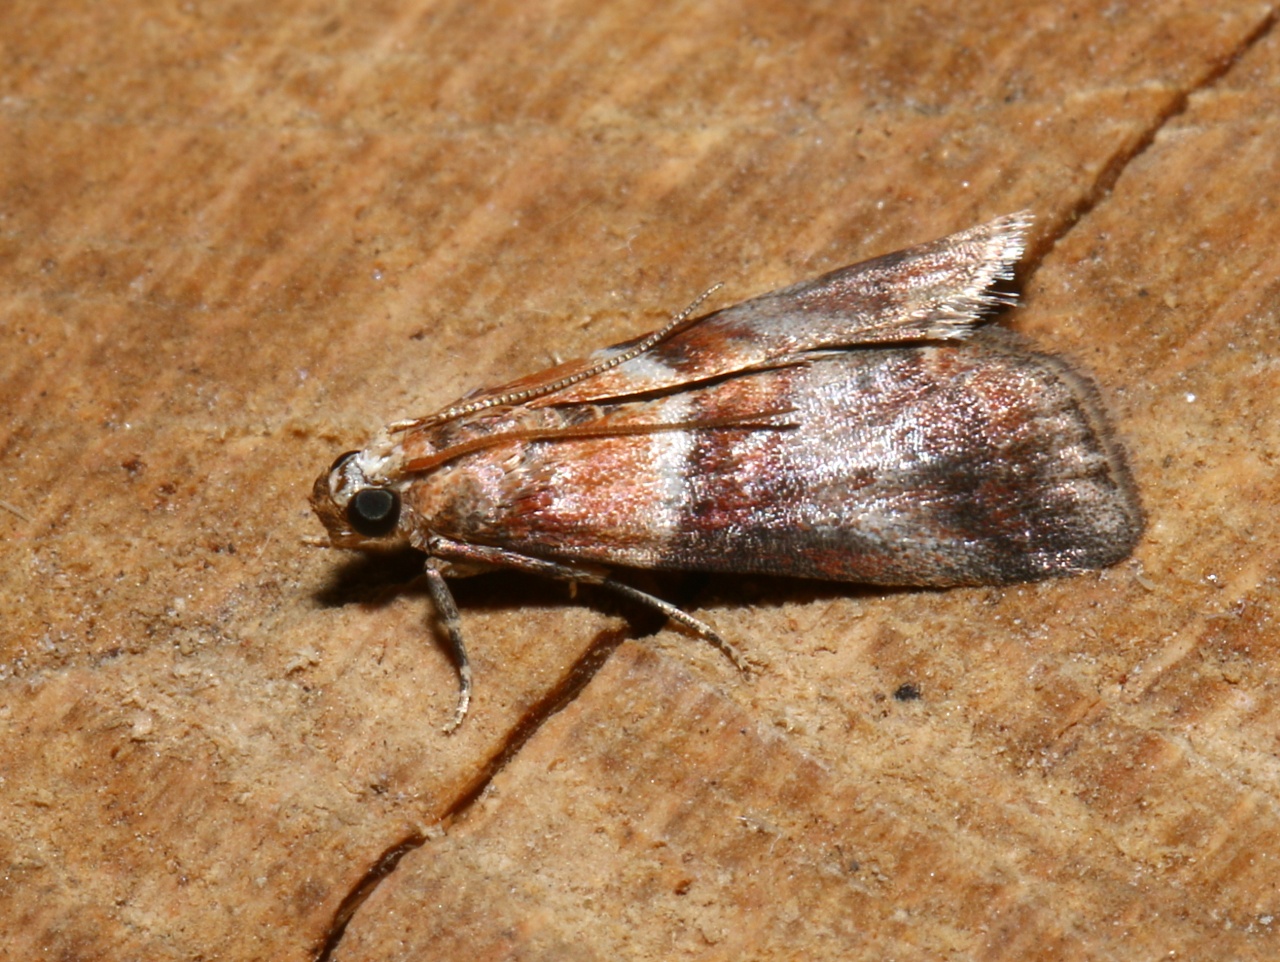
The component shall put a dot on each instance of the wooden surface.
(237, 238)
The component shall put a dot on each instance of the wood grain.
(236, 238)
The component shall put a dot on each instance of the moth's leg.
(442, 597)
(680, 616)
(502, 558)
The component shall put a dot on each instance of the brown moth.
(856, 427)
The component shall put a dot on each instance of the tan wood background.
(235, 238)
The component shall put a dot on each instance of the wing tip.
(994, 249)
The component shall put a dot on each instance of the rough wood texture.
(235, 238)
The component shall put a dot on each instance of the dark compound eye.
(373, 512)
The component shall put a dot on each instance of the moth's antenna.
(673, 326)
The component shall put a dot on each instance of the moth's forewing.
(974, 462)
(932, 291)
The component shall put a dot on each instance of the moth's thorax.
(457, 495)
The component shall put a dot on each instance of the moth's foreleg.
(459, 551)
(442, 597)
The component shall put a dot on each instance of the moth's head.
(359, 511)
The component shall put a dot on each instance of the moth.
(858, 427)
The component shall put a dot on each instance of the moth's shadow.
(758, 590)
(369, 577)
(377, 578)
